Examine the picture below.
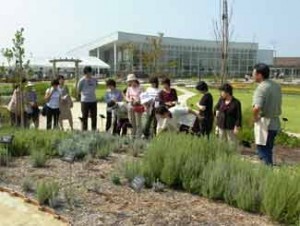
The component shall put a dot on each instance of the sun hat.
(131, 77)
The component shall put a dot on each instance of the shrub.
(38, 158)
(104, 151)
(172, 158)
(5, 157)
(28, 184)
(213, 169)
(138, 147)
(26, 140)
(47, 191)
(281, 195)
(132, 169)
(116, 179)
(82, 144)
(287, 140)
(214, 178)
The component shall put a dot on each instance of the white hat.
(29, 84)
(131, 77)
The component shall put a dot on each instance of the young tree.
(17, 54)
(154, 53)
(8, 54)
(223, 31)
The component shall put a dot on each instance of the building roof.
(125, 37)
(287, 61)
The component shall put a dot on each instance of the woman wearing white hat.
(32, 108)
(135, 109)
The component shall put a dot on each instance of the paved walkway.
(185, 96)
(76, 112)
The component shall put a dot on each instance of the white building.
(125, 52)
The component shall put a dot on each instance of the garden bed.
(120, 205)
(95, 188)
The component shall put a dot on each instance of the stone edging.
(36, 203)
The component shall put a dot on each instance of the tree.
(8, 54)
(153, 53)
(223, 31)
(130, 48)
(17, 54)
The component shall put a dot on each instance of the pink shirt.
(133, 93)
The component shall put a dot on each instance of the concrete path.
(185, 96)
(76, 112)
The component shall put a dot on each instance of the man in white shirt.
(175, 119)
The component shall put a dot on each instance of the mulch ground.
(97, 201)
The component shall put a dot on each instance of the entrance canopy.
(68, 62)
(37, 62)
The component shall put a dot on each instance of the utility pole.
(225, 37)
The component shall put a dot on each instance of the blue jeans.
(265, 152)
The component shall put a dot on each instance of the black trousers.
(122, 126)
(206, 127)
(151, 124)
(111, 122)
(89, 109)
(52, 115)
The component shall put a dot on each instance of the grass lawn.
(290, 108)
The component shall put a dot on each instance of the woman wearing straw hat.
(135, 109)
(66, 104)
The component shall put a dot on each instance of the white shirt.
(153, 92)
(54, 98)
(181, 115)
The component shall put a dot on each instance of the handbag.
(138, 108)
(44, 110)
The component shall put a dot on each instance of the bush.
(104, 151)
(28, 185)
(171, 157)
(82, 144)
(213, 168)
(281, 195)
(27, 140)
(132, 169)
(138, 147)
(116, 179)
(38, 158)
(46, 192)
(287, 140)
(5, 157)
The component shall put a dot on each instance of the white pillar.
(98, 56)
(115, 58)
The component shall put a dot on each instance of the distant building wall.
(265, 56)
(180, 57)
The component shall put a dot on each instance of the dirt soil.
(97, 201)
(282, 155)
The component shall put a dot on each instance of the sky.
(54, 27)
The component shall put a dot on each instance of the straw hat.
(131, 77)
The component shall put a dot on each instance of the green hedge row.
(27, 141)
(213, 169)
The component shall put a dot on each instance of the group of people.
(24, 109)
(163, 112)
(160, 106)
